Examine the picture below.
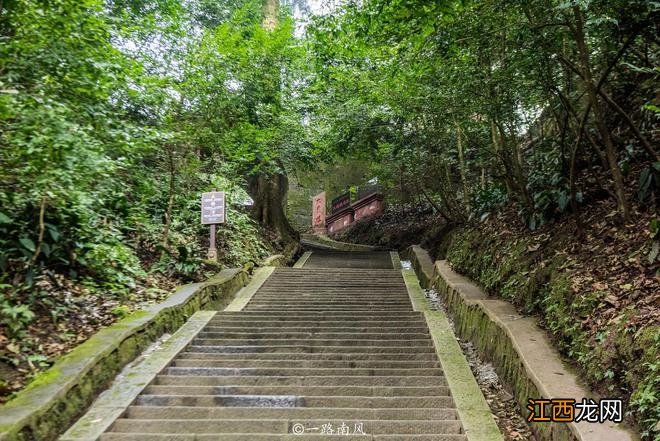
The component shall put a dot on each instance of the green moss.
(43, 378)
(48, 418)
(645, 399)
(616, 359)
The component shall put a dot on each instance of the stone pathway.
(330, 349)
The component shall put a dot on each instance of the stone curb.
(303, 259)
(244, 295)
(276, 260)
(51, 402)
(334, 244)
(396, 261)
(422, 263)
(473, 410)
(520, 351)
(474, 413)
(112, 403)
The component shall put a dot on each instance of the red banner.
(318, 210)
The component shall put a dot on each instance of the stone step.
(242, 363)
(280, 372)
(310, 349)
(343, 310)
(313, 335)
(385, 293)
(416, 342)
(329, 305)
(215, 412)
(335, 309)
(364, 391)
(303, 287)
(217, 427)
(330, 301)
(160, 412)
(293, 401)
(320, 323)
(296, 380)
(404, 315)
(411, 342)
(338, 272)
(400, 316)
(334, 281)
(190, 353)
(331, 298)
(272, 437)
(317, 328)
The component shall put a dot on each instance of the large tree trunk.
(269, 190)
(269, 195)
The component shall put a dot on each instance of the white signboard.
(213, 207)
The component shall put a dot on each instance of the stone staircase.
(333, 348)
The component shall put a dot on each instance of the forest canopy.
(116, 115)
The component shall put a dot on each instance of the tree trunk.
(269, 195)
(268, 190)
(599, 115)
(461, 164)
(513, 174)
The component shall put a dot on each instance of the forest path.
(333, 347)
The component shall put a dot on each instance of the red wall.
(371, 209)
(341, 222)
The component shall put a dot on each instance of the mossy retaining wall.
(520, 351)
(50, 403)
(618, 357)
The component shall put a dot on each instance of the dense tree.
(529, 109)
(115, 115)
(472, 99)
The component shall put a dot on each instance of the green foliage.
(114, 263)
(105, 151)
(489, 199)
(121, 311)
(619, 358)
(461, 98)
(646, 397)
(15, 318)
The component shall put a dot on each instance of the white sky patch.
(304, 10)
(233, 85)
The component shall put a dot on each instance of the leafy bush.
(113, 264)
(15, 318)
(489, 199)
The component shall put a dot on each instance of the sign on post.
(213, 212)
(213, 208)
(318, 213)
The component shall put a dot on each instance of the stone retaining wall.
(520, 351)
(49, 404)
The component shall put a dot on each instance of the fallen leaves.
(68, 316)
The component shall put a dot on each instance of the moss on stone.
(616, 360)
(109, 351)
